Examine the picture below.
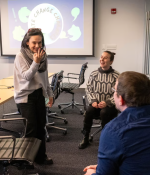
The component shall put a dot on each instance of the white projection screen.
(67, 25)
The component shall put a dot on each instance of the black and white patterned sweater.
(99, 86)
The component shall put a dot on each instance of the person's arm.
(110, 153)
(90, 91)
(26, 71)
(49, 91)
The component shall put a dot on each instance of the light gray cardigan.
(27, 79)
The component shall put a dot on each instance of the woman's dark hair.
(32, 32)
(111, 55)
(134, 88)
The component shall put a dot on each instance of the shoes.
(47, 161)
(84, 143)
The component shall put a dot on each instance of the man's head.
(132, 89)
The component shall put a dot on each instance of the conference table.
(7, 88)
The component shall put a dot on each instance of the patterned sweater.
(99, 86)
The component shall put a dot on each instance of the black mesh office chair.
(95, 125)
(69, 87)
(55, 85)
(17, 151)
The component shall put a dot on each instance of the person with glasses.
(124, 146)
(31, 87)
(100, 96)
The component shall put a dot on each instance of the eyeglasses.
(34, 29)
(113, 89)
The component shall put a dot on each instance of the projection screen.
(67, 25)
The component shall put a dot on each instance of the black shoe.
(47, 161)
(84, 143)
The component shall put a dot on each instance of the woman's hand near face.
(95, 105)
(102, 104)
(37, 57)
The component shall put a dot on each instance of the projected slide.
(67, 25)
(61, 22)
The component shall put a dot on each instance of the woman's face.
(105, 61)
(35, 42)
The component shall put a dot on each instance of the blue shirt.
(124, 146)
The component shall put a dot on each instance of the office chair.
(19, 152)
(55, 85)
(7, 130)
(69, 87)
(95, 125)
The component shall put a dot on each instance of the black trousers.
(35, 112)
(106, 114)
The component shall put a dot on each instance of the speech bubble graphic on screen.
(75, 12)
(18, 33)
(49, 19)
(23, 14)
(75, 32)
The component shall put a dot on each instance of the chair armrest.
(72, 74)
(14, 140)
(15, 119)
(71, 77)
(8, 137)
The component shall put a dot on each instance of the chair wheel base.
(65, 132)
(59, 106)
(65, 121)
(81, 112)
(91, 139)
(22, 166)
(47, 138)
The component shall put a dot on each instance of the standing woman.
(32, 86)
(100, 96)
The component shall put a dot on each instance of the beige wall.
(126, 29)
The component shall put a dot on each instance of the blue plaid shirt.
(124, 147)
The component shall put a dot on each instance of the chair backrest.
(81, 76)
(55, 84)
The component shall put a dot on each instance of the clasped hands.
(101, 105)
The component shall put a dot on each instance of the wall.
(126, 29)
(147, 5)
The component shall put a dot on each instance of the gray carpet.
(68, 159)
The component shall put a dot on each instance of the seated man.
(124, 147)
